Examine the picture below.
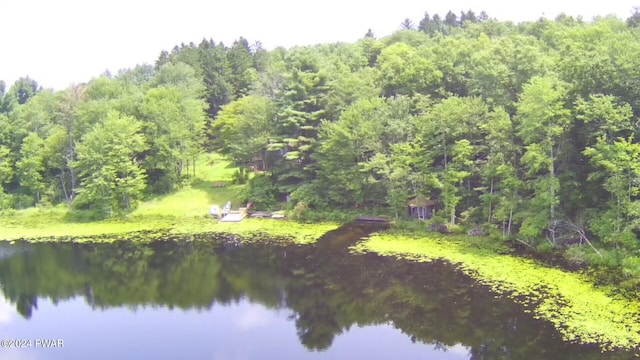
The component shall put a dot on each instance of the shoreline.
(51, 228)
(580, 311)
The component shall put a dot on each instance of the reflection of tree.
(316, 317)
(26, 304)
(327, 290)
(317, 328)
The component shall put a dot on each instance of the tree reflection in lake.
(327, 291)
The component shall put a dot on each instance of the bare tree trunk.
(490, 201)
(64, 188)
(504, 229)
(72, 177)
(583, 237)
(552, 194)
(444, 146)
(510, 221)
(524, 243)
(241, 174)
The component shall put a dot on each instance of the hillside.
(525, 132)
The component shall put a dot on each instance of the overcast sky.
(59, 42)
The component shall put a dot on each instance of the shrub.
(631, 267)
(472, 215)
(300, 211)
(45, 202)
(6, 201)
(455, 229)
(476, 231)
(309, 194)
(76, 215)
(405, 225)
(438, 227)
(303, 213)
(576, 254)
(22, 201)
(544, 247)
(238, 178)
(261, 192)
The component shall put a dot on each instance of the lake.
(217, 298)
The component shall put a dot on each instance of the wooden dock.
(267, 215)
(378, 219)
(260, 214)
(234, 217)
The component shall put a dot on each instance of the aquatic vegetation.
(250, 228)
(579, 311)
(335, 292)
(49, 227)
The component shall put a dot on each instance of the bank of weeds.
(49, 226)
(579, 311)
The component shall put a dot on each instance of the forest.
(526, 131)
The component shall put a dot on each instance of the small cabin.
(258, 164)
(421, 208)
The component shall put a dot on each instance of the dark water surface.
(218, 300)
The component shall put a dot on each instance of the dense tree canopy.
(524, 130)
(101, 145)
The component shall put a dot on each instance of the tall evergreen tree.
(407, 24)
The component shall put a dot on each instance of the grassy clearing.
(183, 212)
(580, 312)
(195, 200)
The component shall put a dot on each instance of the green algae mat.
(45, 229)
(579, 311)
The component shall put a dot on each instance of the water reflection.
(337, 305)
(6, 311)
(254, 318)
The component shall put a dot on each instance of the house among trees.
(258, 164)
(421, 208)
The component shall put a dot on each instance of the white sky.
(59, 42)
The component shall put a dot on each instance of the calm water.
(218, 299)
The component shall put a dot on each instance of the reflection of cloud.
(6, 310)
(14, 354)
(252, 318)
(227, 356)
(459, 349)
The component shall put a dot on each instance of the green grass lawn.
(184, 212)
(197, 198)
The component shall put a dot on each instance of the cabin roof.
(421, 201)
